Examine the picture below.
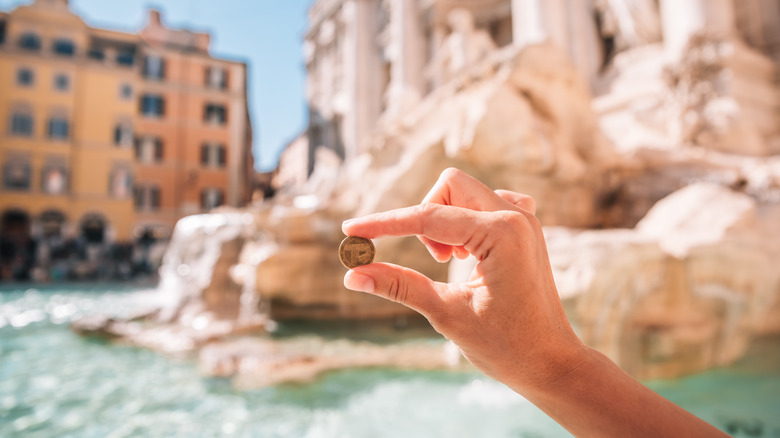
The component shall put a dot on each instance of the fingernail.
(359, 282)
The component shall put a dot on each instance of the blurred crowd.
(54, 259)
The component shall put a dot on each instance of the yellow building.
(74, 126)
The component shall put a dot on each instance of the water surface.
(55, 383)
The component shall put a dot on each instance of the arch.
(52, 222)
(15, 224)
(93, 227)
(17, 249)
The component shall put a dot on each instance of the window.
(22, 124)
(149, 150)
(16, 175)
(30, 41)
(96, 54)
(212, 155)
(210, 198)
(64, 47)
(25, 77)
(152, 105)
(120, 182)
(54, 179)
(58, 128)
(147, 198)
(154, 68)
(216, 77)
(123, 134)
(214, 113)
(2, 32)
(61, 82)
(125, 57)
(126, 91)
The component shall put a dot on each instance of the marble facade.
(370, 61)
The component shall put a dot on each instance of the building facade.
(110, 137)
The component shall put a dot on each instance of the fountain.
(623, 267)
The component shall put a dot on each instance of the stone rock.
(525, 125)
(255, 363)
(684, 291)
(195, 270)
(528, 120)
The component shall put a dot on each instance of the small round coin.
(356, 251)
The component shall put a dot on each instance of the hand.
(507, 318)
(509, 304)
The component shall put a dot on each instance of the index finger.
(441, 223)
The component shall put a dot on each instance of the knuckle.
(517, 222)
(424, 212)
(511, 221)
(451, 173)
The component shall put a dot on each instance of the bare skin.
(507, 319)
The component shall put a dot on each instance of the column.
(568, 24)
(537, 21)
(407, 50)
(361, 71)
(684, 18)
(408, 46)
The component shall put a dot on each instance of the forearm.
(597, 398)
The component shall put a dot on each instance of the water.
(56, 384)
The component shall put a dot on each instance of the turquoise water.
(56, 384)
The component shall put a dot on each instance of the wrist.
(552, 369)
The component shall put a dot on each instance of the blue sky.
(265, 33)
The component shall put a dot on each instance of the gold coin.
(356, 251)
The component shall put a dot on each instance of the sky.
(267, 34)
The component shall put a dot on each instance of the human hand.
(507, 319)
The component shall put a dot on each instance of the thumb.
(396, 283)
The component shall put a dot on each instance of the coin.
(356, 251)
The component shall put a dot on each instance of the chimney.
(154, 18)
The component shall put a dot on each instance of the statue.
(464, 47)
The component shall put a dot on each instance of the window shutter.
(225, 82)
(158, 149)
(139, 197)
(154, 194)
(162, 105)
(222, 157)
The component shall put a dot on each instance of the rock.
(255, 363)
(527, 126)
(684, 291)
(95, 325)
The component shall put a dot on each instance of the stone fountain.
(662, 231)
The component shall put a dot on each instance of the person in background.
(508, 320)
